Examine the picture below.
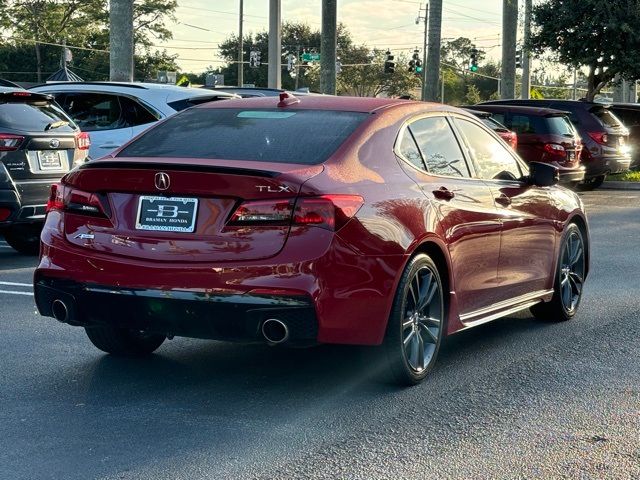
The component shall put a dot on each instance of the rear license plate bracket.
(167, 214)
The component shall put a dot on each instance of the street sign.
(310, 57)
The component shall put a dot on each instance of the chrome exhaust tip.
(60, 311)
(275, 331)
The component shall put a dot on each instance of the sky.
(203, 24)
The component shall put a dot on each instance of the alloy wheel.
(422, 319)
(572, 272)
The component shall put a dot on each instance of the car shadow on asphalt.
(262, 379)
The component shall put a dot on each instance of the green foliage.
(362, 72)
(473, 95)
(595, 34)
(82, 23)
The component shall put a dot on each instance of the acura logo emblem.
(54, 143)
(162, 181)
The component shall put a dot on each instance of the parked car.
(317, 220)
(544, 135)
(629, 113)
(604, 137)
(507, 135)
(115, 112)
(38, 144)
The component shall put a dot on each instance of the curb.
(621, 186)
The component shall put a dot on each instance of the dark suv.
(544, 135)
(629, 113)
(604, 136)
(38, 145)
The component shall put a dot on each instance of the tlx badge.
(270, 189)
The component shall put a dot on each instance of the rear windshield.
(283, 136)
(541, 125)
(28, 117)
(607, 118)
(560, 126)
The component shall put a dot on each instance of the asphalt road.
(512, 399)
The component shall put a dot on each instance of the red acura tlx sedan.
(304, 221)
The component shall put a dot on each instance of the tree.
(473, 95)
(362, 72)
(81, 23)
(602, 36)
(457, 53)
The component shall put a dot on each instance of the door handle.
(443, 193)
(503, 200)
(108, 145)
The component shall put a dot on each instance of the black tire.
(592, 183)
(558, 309)
(413, 328)
(25, 239)
(123, 342)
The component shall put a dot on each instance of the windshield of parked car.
(284, 136)
(29, 117)
(607, 118)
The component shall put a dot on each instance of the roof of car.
(319, 102)
(630, 106)
(522, 109)
(134, 88)
(10, 89)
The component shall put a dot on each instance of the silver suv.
(113, 113)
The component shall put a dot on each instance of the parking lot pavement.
(512, 399)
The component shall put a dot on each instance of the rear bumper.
(606, 165)
(178, 313)
(10, 200)
(346, 294)
(571, 175)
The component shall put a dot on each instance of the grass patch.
(633, 176)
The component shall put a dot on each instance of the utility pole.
(509, 36)
(121, 41)
(432, 67)
(275, 43)
(575, 83)
(526, 52)
(425, 18)
(241, 47)
(328, 46)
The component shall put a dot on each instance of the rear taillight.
(263, 212)
(69, 199)
(599, 137)
(83, 141)
(326, 211)
(9, 142)
(555, 150)
(4, 214)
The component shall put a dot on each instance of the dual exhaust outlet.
(274, 331)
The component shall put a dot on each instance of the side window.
(134, 114)
(94, 111)
(439, 147)
(493, 161)
(409, 150)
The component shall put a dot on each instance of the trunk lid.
(218, 187)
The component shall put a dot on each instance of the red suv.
(321, 220)
(544, 135)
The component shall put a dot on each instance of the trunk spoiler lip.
(133, 165)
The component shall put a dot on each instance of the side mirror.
(543, 174)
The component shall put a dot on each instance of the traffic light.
(254, 58)
(473, 64)
(518, 58)
(415, 64)
(389, 64)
